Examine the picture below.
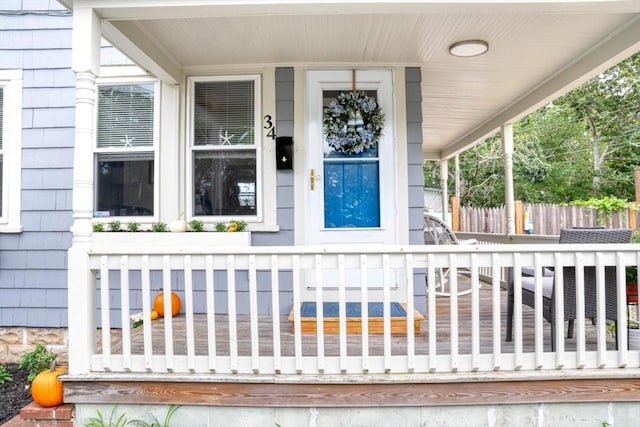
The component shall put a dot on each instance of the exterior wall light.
(468, 48)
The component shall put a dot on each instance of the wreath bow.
(353, 123)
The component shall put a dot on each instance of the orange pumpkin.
(46, 388)
(158, 304)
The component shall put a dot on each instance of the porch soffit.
(531, 47)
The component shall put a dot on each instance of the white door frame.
(314, 231)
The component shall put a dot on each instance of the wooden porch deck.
(354, 341)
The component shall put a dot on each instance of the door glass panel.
(351, 184)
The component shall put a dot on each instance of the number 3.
(268, 124)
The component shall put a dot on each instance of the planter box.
(170, 241)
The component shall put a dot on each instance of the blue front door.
(351, 183)
(349, 198)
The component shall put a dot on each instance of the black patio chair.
(587, 236)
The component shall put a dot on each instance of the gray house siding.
(413, 80)
(35, 36)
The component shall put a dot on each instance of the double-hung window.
(10, 149)
(1, 150)
(126, 149)
(224, 136)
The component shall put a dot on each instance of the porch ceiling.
(537, 50)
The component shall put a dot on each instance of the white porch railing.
(459, 333)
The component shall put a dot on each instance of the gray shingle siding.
(413, 80)
(35, 36)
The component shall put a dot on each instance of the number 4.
(268, 124)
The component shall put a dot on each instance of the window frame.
(193, 148)
(153, 149)
(11, 83)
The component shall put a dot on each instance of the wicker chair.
(570, 236)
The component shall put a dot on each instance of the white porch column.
(509, 198)
(81, 284)
(444, 178)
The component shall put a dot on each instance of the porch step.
(34, 415)
(331, 321)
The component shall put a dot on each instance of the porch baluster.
(517, 311)
(431, 312)
(253, 315)
(211, 312)
(386, 311)
(146, 308)
(622, 324)
(233, 316)
(453, 321)
(342, 312)
(168, 319)
(559, 308)
(495, 309)
(364, 296)
(297, 324)
(580, 326)
(125, 312)
(275, 313)
(319, 312)
(601, 311)
(188, 308)
(538, 320)
(105, 307)
(475, 314)
(411, 349)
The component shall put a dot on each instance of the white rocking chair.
(437, 232)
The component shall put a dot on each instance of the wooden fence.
(546, 219)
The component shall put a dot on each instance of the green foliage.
(583, 144)
(5, 375)
(159, 227)
(99, 421)
(155, 422)
(605, 206)
(240, 225)
(98, 227)
(36, 361)
(115, 225)
(221, 226)
(133, 226)
(196, 225)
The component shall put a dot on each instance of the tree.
(584, 144)
(609, 107)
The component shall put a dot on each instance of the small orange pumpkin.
(158, 304)
(46, 388)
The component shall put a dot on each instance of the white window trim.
(11, 81)
(106, 81)
(259, 221)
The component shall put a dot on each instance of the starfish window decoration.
(127, 141)
(226, 138)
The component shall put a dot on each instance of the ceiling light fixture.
(468, 48)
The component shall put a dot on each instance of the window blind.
(125, 115)
(224, 113)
